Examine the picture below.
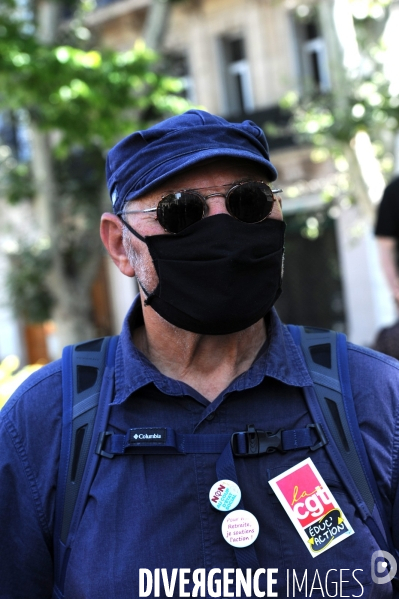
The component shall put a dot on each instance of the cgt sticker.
(311, 507)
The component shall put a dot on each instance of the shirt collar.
(280, 359)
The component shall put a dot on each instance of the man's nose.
(216, 204)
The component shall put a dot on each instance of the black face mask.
(219, 275)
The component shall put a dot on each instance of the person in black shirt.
(387, 233)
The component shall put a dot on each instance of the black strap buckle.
(101, 443)
(254, 442)
(322, 438)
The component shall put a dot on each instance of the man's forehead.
(211, 173)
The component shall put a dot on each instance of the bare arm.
(387, 252)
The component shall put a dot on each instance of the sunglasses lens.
(177, 211)
(250, 202)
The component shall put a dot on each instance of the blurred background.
(320, 77)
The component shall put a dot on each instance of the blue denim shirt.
(152, 511)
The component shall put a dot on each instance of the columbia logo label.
(147, 435)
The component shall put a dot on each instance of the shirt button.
(211, 416)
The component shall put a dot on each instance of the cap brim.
(177, 164)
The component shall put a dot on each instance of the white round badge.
(240, 528)
(225, 495)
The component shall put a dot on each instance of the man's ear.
(111, 234)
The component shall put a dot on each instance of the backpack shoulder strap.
(87, 385)
(331, 404)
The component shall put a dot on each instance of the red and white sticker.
(311, 507)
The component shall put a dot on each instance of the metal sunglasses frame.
(203, 198)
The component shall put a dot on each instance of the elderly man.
(202, 356)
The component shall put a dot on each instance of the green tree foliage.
(365, 101)
(361, 100)
(369, 107)
(92, 97)
(83, 99)
(31, 296)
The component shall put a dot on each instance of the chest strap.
(252, 442)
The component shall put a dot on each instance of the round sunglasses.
(249, 202)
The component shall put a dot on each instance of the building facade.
(238, 59)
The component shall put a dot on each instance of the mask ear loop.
(141, 239)
(129, 228)
(145, 290)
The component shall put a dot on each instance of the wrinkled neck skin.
(208, 363)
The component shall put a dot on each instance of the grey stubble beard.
(143, 265)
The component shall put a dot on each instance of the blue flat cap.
(145, 159)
